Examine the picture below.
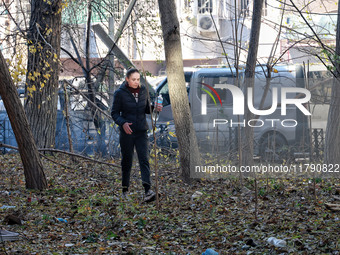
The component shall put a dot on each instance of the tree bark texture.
(248, 137)
(33, 168)
(187, 141)
(43, 70)
(332, 146)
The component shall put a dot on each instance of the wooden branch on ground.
(57, 163)
(333, 207)
(65, 152)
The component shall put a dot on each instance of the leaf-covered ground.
(222, 217)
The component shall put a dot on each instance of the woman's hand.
(127, 129)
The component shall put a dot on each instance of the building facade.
(212, 31)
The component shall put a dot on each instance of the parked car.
(274, 134)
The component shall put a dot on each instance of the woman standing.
(130, 104)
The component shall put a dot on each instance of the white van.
(213, 108)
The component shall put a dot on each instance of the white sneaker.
(149, 196)
(8, 235)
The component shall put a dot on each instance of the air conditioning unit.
(206, 24)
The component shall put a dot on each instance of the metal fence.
(2, 134)
(86, 139)
(6, 132)
(104, 142)
(318, 140)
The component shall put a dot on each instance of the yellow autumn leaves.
(17, 68)
(36, 76)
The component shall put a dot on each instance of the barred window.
(205, 6)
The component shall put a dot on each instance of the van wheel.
(274, 148)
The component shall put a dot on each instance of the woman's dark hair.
(131, 71)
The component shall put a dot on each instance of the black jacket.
(126, 109)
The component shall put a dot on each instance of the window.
(164, 91)
(244, 7)
(212, 81)
(205, 6)
(165, 94)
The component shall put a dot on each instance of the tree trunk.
(88, 79)
(187, 142)
(248, 137)
(332, 150)
(33, 168)
(43, 70)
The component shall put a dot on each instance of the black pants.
(127, 144)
